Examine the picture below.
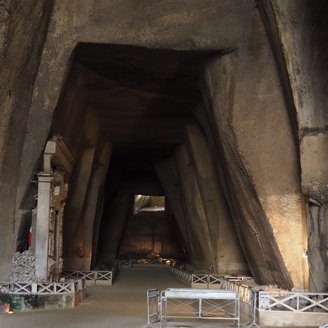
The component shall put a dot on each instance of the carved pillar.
(52, 193)
(42, 226)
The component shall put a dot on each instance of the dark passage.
(132, 117)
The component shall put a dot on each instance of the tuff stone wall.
(22, 34)
(261, 112)
(297, 32)
(150, 235)
(243, 178)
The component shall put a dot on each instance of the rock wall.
(251, 220)
(22, 35)
(297, 31)
(150, 235)
(119, 204)
(261, 114)
(191, 184)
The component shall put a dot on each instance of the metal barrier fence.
(246, 294)
(153, 306)
(95, 276)
(189, 303)
(213, 281)
(23, 288)
(262, 300)
(205, 304)
(295, 302)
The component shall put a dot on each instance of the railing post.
(73, 288)
(264, 300)
(34, 287)
(252, 322)
(80, 284)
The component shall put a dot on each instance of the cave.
(135, 118)
(218, 106)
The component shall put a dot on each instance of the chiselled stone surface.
(22, 34)
(250, 79)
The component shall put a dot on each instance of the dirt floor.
(122, 305)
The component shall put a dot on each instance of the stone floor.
(121, 306)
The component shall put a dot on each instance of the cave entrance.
(137, 217)
(131, 116)
(150, 233)
(148, 203)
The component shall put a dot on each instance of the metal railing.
(213, 281)
(153, 306)
(236, 284)
(205, 304)
(246, 294)
(293, 301)
(262, 300)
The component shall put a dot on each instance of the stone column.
(42, 226)
(227, 251)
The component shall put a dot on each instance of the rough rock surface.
(22, 34)
(23, 267)
(298, 31)
(252, 80)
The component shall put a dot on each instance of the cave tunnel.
(137, 226)
(136, 119)
(204, 106)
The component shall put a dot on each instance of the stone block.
(314, 159)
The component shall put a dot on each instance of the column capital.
(45, 177)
